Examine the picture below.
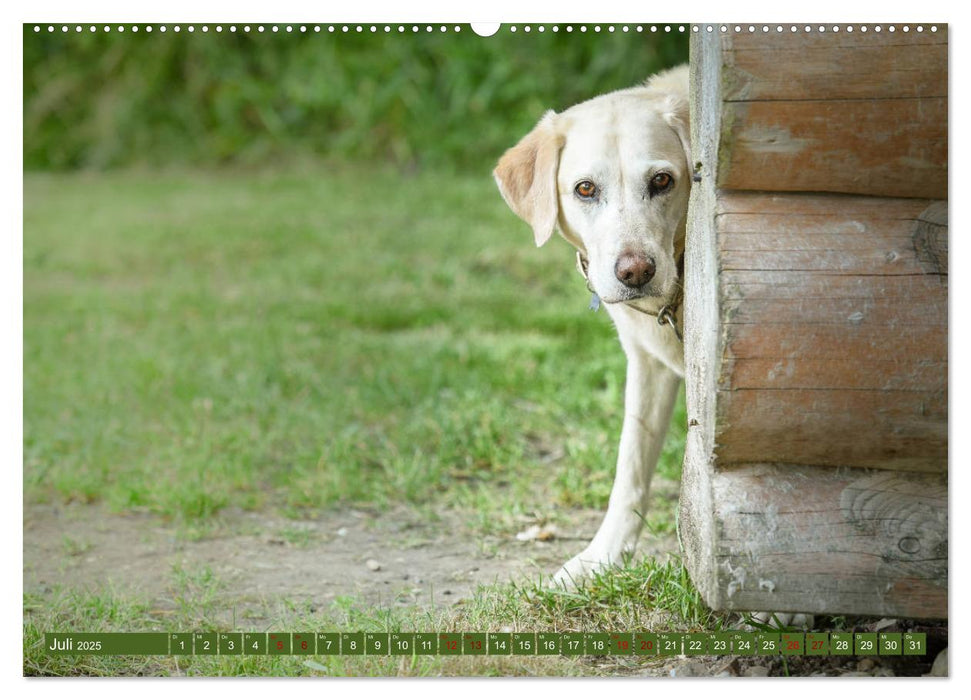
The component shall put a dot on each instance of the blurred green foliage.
(103, 100)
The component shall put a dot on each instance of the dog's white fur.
(619, 142)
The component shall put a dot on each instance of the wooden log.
(817, 323)
(831, 541)
(835, 65)
(697, 525)
(833, 332)
(816, 377)
(835, 112)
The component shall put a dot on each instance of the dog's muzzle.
(666, 315)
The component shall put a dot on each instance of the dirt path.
(397, 559)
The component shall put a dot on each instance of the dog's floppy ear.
(676, 113)
(526, 175)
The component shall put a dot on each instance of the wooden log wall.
(835, 112)
(815, 476)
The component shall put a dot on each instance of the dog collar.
(666, 315)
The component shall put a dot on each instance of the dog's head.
(613, 175)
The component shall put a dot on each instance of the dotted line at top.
(246, 28)
(414, 28)
(821, 28)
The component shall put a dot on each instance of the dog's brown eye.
(585, 189)
(661, 181)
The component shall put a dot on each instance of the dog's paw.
(762, 620)
(580, 567)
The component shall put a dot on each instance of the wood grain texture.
(834, 332)
(889, 148)
(825, 112)
(831, 541)
(702, 340)
(816, 358)
(835, 66)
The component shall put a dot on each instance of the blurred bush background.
(106, 100)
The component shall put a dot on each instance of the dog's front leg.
(648, 402)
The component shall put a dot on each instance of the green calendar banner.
(891, 644)
(180, 644)
(597, 644)
(645, 644)
(548, 643)
(841, 643)
(915, 644)
(352, 644)
(622, 644)
(449, 644)
(108, 644)
(328, 643)
(744, 643)
(205, 644)
(571, 644)
(230, 643)
(524, 643)
(474, 644)
(254, 643)
(817, 644)
(768, 643)
(500, 643)
(303, 643)
(793, 644)
(426, 643)
(278, 644)
(720, 643)
(402, 644)
(377, 643)
(487, 643)
(695, 644)
(866, 643)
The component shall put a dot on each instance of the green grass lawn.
(292, 342)
(300, 340)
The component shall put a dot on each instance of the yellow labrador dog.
(612, 175)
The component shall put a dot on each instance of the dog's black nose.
(634, 270)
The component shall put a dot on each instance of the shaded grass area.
(641, 596)
(304, 339)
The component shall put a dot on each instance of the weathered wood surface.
(698, 530)
(815, 340)
(833, 345)
(835, 65)
(829, 541)
(826, 112)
